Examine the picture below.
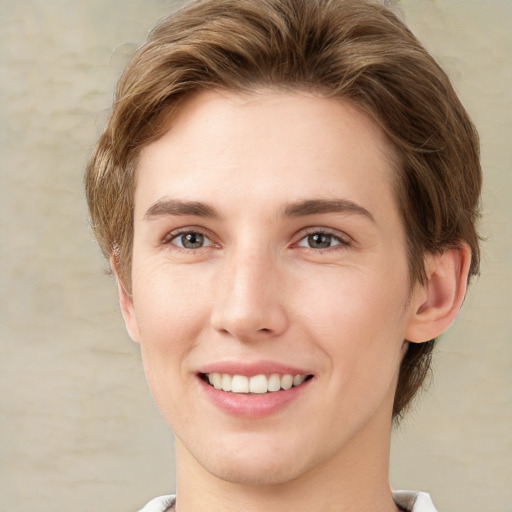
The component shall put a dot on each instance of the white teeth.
(258, 384)
(217, 380)
(226, 382)
(287, 381)
(298, 380)
(240, 384)
(274, 382)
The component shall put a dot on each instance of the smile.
(257, 384)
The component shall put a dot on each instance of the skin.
(258, 290)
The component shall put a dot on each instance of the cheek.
(171, 313)
(355, 301)
(170, 310)
(358, 320)
(168, 304)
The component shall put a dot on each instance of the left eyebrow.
(167, 206)
(319, 206)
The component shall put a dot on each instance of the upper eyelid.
(343, 236)
(171, 236)
(299, 235)
(174, 233)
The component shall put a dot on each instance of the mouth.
(255, 385)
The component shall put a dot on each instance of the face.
(270, 291)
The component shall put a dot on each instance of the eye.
(191, 240)
(320, 240)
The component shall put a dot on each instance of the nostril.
(248, 322)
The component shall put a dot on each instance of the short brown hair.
(350, 49)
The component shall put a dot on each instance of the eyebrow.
(319, 206)
(167, 206)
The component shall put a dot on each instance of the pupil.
(192, 240)
(319, 241)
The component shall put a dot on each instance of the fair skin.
(267, 241)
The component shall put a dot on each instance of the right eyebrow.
(319, 206)
(167, 206)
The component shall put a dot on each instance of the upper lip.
(251, 368)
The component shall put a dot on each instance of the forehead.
(267, 146)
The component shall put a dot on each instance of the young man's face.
(268, 244)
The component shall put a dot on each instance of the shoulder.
(160, 504)
(414, 501)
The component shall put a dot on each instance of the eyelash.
(174, 235)
(342, 241)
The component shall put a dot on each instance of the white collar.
(412, 501)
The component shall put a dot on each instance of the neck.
(355, 479)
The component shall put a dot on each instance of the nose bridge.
(249, 304)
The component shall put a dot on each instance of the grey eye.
(319, 240)
(191, 240)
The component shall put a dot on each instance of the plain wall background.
(78, 430)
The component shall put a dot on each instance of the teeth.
(287, 381)
(274, 382)
(240, 384)
(226, 382)
(215, 380)
(298, 380)
(258, 384)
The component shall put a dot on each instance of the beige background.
(78, 430)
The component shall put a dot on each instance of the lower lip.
(252, 406)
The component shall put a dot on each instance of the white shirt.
(412, 501)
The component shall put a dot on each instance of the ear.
(436, 303)
(126, 303)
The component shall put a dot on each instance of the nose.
(249, 305)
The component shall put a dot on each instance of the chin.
(255, 473)
(256, 460)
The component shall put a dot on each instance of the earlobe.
(126, 303)
(436, 303)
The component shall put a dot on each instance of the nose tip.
(248, 307)
(247, 325)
